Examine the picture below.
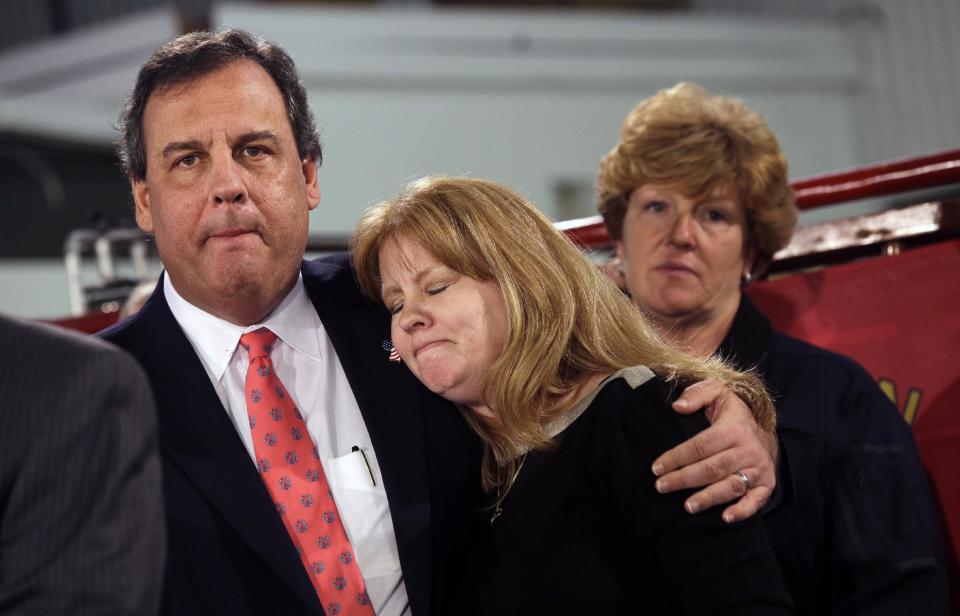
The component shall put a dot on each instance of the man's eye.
(188, 161)
(253, 151)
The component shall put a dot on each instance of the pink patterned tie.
(290, 467)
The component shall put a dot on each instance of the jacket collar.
(390, 401)
(748, 340)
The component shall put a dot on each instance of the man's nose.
(227, 184)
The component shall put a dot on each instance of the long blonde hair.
(567, 321)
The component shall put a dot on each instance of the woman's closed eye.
(396, 307)
(392, 301)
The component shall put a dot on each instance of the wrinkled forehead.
(239, 99)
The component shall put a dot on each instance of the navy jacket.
(852, 520)
(228, 551)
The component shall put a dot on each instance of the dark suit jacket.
(81, 525)
(228, 550)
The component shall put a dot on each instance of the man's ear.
(141, 203)
(313, 184)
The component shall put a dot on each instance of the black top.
(852, 520)
(583, 530)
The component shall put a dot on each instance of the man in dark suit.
(81, 522)
(222, 154)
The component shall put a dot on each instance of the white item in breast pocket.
(365, 512)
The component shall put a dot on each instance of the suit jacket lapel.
(389, 400)
(198, 437)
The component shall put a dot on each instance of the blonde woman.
(496, 311)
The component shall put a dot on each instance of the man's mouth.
(232, 233)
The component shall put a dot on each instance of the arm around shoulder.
(715, 567)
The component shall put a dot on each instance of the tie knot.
(258, 343)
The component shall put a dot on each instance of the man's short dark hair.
(197, 54)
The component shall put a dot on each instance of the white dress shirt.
(308, 367)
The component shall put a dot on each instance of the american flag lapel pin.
(389, 348)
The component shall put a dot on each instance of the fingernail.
(728, 518)
(662, 486)
(692, 506)
(657, 469)
(681, 403)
